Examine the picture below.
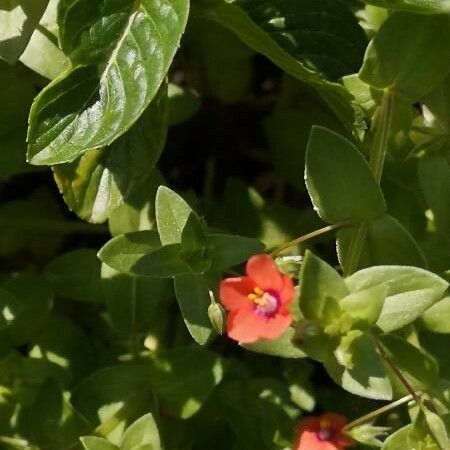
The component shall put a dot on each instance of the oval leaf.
(92, 105)
(339, 180)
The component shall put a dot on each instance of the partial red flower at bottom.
(258, 302)
(322, 433)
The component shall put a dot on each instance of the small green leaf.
(227, 250)
(436, 318)
(182, 104)
(368, 434)
(398, 440)
(192, 292)
(142, 434)
(339, 180)
(84, 283)
(410, 292)
(282, 346)
(356, 366)
(419, 368)
(172, 213)
(93, 104)
(318, 281)
(18, 19)
(387, 242)
(365, 306)
(184, 378)
(97, 443)
(411, 67)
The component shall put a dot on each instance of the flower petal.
(308, 440)
(245, 325)
(233, 292)
(274, 327)
(263, 271)
(287, 293)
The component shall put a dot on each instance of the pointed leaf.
(411, 67)
(93, 105)
(339, 180)
(318, 282)
(410, 292)
(142, 433)
(192, 293)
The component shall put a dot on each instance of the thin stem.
(383, 126)
(416, 397)
(134, 344)
(378, 412)
(377, 156)
(308, 236)
(355, 248)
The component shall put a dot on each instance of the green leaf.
(135, 304)
(282, 346)
(419, 368)
(411, 67)
(410, 292)
(140, 253)
(142, 435)
(437, 428)
(104, 396)
(368, 434)
(417, 6)
(339, 180)
(43, 54)
(172, 213)
(436, 318)
(398, 440)
(365, 306)
(182, 104)
(318, 282)
(92, 105)
(387, 242)
(18, 19)
(97, 443)
(102, 179)
(227, 250)
(356, 366)
(192, 292)
(52, 407)
(25, 302)
(296, 37)
(434, 177)
(84, 283)
(64, 344)
(184, 378)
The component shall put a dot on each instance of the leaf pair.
(184, 250)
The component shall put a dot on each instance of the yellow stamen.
(325, 424)
(258, 291)
(252, 297)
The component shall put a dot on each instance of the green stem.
(381, 139)
(355, 248)
(383, 123)
(282, 248)
(134, 341)
(378, 412)
(388, 360)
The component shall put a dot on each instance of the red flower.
(322, 433)
(258, 302)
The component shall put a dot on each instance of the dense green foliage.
(184, 138)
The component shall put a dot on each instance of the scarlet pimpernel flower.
(322, 433)
(257, 303)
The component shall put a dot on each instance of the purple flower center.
(267, 303)
(325, 434)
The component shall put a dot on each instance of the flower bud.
(217, 316)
